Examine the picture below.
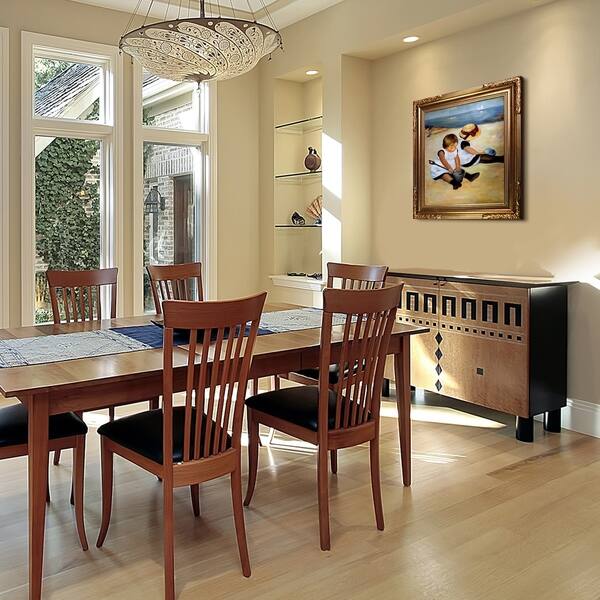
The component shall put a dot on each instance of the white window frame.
(177, 137)
(4, 179)
(109, 132)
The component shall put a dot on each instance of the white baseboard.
(582, 416)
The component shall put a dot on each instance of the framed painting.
(467, 153)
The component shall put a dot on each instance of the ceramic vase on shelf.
(312, 162)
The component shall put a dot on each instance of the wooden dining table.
(118, 379)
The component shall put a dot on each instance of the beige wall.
(555, 48)
(237, 196)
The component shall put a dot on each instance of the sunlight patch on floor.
(442, 415)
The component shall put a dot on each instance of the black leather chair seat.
(297, 405)
(143, 433)
(334, 374)
(14, 432)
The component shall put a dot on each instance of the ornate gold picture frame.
(467, 153)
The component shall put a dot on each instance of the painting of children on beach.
(461, 149)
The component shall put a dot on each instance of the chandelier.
(197, 46)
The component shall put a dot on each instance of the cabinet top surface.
(481, 278)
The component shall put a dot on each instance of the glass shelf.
(299, 178)
(302, 126)
(309, 226)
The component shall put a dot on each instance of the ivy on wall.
(67, 210)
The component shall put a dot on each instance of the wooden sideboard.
(495, 342)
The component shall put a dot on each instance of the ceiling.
(284, 12)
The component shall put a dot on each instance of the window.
(71, 167)
(4, 152)
(172, 201)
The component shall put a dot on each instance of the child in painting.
(470, 156)
(449, 167)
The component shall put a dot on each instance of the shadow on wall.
(584, 333)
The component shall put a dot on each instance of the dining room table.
(109, 380)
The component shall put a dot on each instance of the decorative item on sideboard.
(312, 162)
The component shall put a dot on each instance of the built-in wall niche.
(298, 118)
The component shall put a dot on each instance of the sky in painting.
(481, 111)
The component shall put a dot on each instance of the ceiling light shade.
(312, 72)
(410, 39)
(200, 47)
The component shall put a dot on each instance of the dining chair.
(175, 282)
(76, 297)
(65, 431)
(200, 441)
(347, 277)
(181, 282)
(346, 415)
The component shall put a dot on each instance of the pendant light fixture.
(206, 42)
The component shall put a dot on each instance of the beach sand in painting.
(487, 189)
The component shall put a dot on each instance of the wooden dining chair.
(187, 445)
(76, 297)
(347, 277)
(65, 431)
(348, 414)
(180, 282)
(175, 282)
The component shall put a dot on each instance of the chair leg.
(376, 483)
(77, 489)
(334, 462)
(111, 413)
(323, 490)
(255, 386)
(153, 404)
(253, 439)
(56, 460)
(168, 538)
(107, 492)
(195, 493)
(48, 493)
(276, 382)
(238, 517)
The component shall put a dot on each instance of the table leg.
(402, 373)
(38, 481)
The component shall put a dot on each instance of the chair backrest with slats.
(370, 316)
(222, 336)
(76, 296)
(175, 282)
(355, 277)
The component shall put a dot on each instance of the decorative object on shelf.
(318, 276)
(315, 209)
(467, 153)
(312, 162)
(200, 47)
(298, 219)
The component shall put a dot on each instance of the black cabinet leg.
(385, 392)
(525, 429)
(552, 420)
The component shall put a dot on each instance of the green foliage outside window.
(67, 211)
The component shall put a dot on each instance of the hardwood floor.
(486, 518)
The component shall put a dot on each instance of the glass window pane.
(67, 90)
(172, 105)
(172, 207)
(67, 211)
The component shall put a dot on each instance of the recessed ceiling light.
(410, 39)
(312, 72)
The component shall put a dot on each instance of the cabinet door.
(484, 345)
(420, 306)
